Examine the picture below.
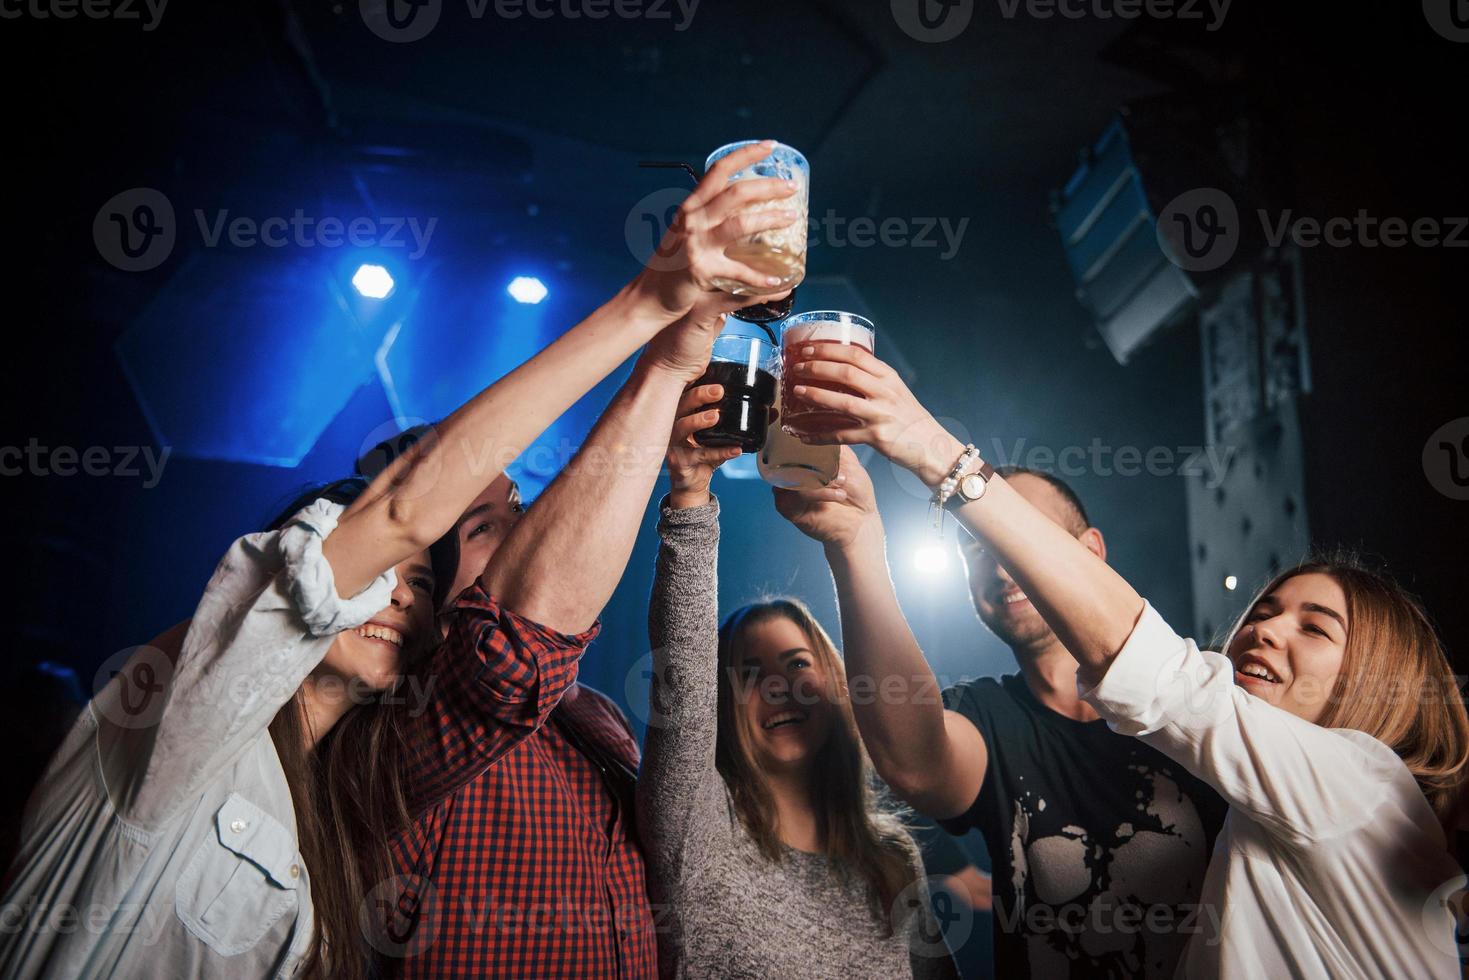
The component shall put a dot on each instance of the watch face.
(972, 486)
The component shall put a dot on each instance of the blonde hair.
(1395, 683)
(864, 833)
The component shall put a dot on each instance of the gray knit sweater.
(723, 909)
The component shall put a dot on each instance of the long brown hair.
(863, 831)
(1396, 683)
(349, 796)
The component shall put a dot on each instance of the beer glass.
(810, 329)
(787, 462)
(779, 252)
(747, 367)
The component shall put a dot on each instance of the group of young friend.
(367, 753)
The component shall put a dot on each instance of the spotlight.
(373, 281)
(527, 289)
(931, 559)
(1231, 582)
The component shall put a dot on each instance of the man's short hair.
(1057, 484)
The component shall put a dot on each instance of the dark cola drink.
(744, 411)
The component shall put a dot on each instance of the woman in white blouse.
(166, 837)
(1331, 723)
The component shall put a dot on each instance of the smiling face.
(784, 695)
(482, 527)
(372, 656)
(1289, 649)
(1002, 606)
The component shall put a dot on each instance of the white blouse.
(162, 840)
(1331, 863)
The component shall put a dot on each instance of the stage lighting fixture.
(373, 281)
(1231, 582)
(527, 289)
(931, 559)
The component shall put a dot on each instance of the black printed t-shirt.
(1098, 842)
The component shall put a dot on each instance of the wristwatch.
(971, 486)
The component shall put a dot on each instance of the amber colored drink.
(813, 330)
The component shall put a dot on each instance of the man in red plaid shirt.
(521, 859)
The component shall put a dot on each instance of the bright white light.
(373, 281)
(527, 289)
(931, 559)
(1231, 583)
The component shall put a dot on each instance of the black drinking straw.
(686, 168)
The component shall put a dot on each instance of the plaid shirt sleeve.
(493, 681)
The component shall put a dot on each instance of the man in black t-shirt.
(1098, 843)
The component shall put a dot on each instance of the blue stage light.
(527, 289)
(373, 281)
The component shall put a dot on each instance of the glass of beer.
(787, 462)
(810, 329)
(779, 252)
(747, 367)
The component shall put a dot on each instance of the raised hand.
(890, 418)
(838, 514)
(680, 273)
(690, 465)
(683, 349)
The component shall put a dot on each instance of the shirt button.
(295, 871)
(238, 826)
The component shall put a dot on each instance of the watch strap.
(986, 472)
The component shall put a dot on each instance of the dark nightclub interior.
(1205, 261)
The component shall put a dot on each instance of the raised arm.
(680, 792)
(562, 561)
(421, 494)
(1144, 678)
(1090, 607)
(932, 758)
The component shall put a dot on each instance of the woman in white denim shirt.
(162, 841)
(1331, 724)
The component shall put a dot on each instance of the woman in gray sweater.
(767, 853)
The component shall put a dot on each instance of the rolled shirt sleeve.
(493, 682)
(1299, 780)
(267, 617)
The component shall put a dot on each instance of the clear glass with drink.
(811, 329)
(748, 369)
(779, 252)
(785, 461)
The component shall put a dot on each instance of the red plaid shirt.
(521, 860)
